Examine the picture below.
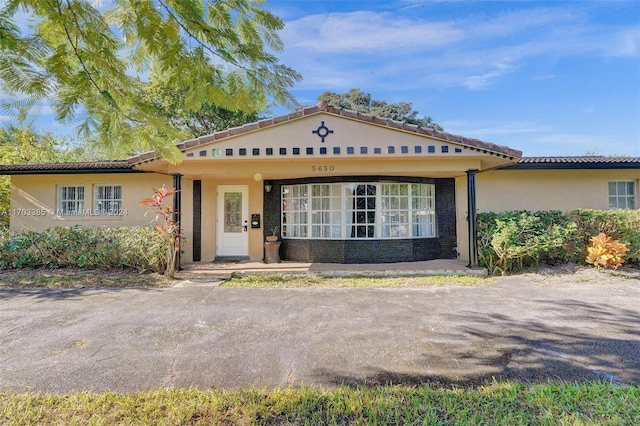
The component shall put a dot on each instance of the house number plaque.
(322, 168)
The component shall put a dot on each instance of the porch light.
(267, 188)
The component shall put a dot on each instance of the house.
(338, 186)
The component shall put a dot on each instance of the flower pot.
(272, 252)
(272, 238)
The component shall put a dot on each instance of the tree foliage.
(170, 101)
(356, 100)
(93, 61)
(25, 146)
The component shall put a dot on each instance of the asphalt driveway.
(527, 328)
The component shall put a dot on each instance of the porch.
(421, 268)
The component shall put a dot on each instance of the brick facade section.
(371, 250)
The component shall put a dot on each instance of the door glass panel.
(233, 212)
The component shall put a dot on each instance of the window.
(326, 211)
(70, 200)
(361, 210)
(295, 206)
(358, 210)
(622, 195)
(107, 199)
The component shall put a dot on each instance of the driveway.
(528, 327)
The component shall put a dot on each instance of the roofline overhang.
(616, 166)
(69, 172)
(86, 167)
(575, 165)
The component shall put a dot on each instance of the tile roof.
(61, 168)
(324, 107)
(524, 163)
(582, 162)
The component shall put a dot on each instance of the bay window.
(358, 210)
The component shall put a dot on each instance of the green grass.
(597, 403)
(78, 278)
(301, 281)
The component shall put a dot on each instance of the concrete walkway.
(429, 267)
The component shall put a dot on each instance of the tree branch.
(200, 42)
(74, 45)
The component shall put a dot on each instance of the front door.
(233, 218)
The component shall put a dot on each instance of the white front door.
(232, 219)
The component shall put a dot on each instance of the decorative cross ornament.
(322, 131)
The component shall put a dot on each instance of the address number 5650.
(322, 168)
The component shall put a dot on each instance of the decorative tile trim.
(484, 147)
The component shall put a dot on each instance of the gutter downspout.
(472, 218)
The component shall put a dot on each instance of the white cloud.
(475, 82)
(370, 49)
(364, 32)
(627, 43)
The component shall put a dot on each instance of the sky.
(549, 78)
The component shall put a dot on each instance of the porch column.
(177, 209)
(472, 218)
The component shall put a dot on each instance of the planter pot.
(272, 238)
(272, 252)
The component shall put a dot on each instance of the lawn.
(79, 278)
(597, 403)
(302, 281)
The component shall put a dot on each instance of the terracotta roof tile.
(580, 159)
(583, 162)
(76, 167)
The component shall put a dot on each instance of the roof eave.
(572, 166)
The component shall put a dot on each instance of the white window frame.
(619, 196)
(71, 200)
(332, 211)
(109, 202)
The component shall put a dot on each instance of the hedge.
(510, 241)
(141, 248)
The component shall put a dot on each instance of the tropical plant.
(606, 252)
(168, 227)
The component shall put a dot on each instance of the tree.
(356, 100)
(210, 118)
(23, 146)
(94, 61)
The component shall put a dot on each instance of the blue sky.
(548, 78)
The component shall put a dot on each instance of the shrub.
(605, 252)
(139, 248)
(507, 242)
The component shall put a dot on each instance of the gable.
(325, 135)
(323, 132)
